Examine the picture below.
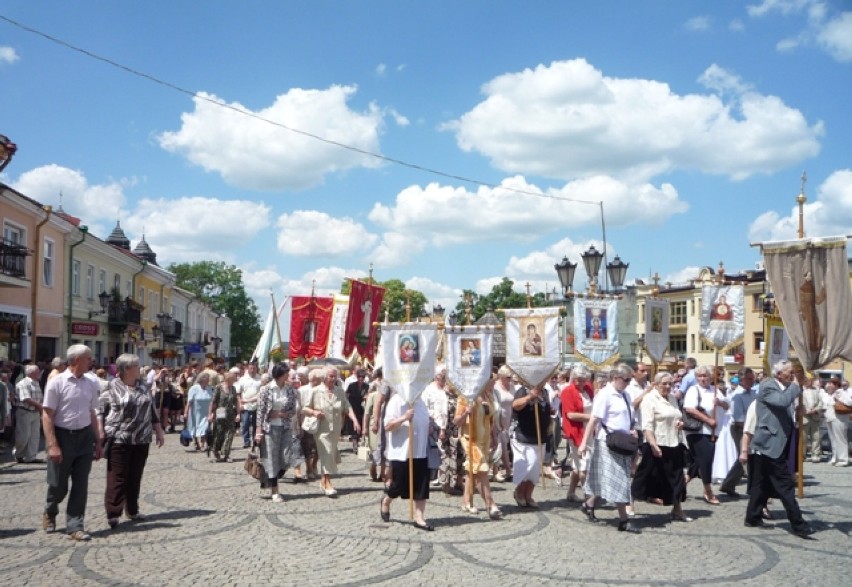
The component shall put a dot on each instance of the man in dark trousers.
(770, 447)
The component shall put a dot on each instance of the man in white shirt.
(28, 424)
(435, 399)
(813, 410)
(248, 388)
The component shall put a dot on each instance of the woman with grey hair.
(277, 409)
(224, 408)
(197, 406)
(608, 476)
(129, 428)
(700, 402)
(576, 407)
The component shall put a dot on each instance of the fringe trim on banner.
(724, 348)
(527, 383)
(610, 361)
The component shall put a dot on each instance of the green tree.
(502, 296)
(394, 300)
(220, 286)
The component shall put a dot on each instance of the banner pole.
(411, 469)
(540, 446)
(471, 435)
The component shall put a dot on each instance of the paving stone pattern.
(208, 524)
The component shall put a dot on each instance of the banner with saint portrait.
(468, 358)
(722, 315)
(408, 355)
(776, 346)
(596, 330)
(657, 316)
(310, 321)
(365, 300)
(338, 327)
(532, 343)
(810, 281)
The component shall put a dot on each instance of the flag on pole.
(469, 357)
(365, 301)
(722, 315)
(264, 345)
(408, 357)
(810, 280)
(310, 322)
(596, 330)
(657, 316)
(532, 343)
(338, 327)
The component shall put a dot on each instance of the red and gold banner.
(365, 301)
(310, 323)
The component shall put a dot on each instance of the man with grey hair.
(770, 446)
(74, 437)
(58, 365)
(28, 425)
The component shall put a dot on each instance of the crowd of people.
(627, 439)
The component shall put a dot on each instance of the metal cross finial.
(529, 300)
(408, 305)
(468, 303)
(371, 273)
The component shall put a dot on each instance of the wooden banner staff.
(535, 411)
(411, 466)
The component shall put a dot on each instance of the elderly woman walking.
(130, 426)
(278, 404)
(224, 408)
(608, 477)
(196, 410)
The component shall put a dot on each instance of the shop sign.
(84, 328)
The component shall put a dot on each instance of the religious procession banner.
(810, 280)
(596, 330)
(408, 357)
(365, 301)
(310, 322)
(657, 316)
(532, 343)
(469, 355)
(776, 343)
(722, 315)
(338, 327)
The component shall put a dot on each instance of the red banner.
(365, 302)
(84, 328)
(310, 324)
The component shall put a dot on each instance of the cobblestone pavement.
(208, 525)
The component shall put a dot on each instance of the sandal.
(425, 526)
(384, 514)
(712, 501)
(681, 518)
(494, 513)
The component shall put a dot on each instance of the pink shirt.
(72, 399)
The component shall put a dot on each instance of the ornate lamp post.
(565, 271)
(617, 271)
(592, 262)
(103, 299)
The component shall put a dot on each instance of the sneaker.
(277, 498)
(48, 523)
(80, 536)
(500, 477)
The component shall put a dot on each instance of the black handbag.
(691, 423)
(621, 442)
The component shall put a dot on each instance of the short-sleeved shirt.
(28, 388)
(72, 399)
(249, 389)
(610, 407)
(706, 396)
(741, 401)
(524, 429)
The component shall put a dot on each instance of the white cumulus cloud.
(312, 233)
(252, 153)
(699, 23)
(568, 120)
(8, 55)
(836, 37)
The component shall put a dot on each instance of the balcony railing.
(121, 314)
(172, 329)
(13, 259)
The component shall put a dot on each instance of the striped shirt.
(131, 416)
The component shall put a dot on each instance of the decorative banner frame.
(776, 343)
(310, 320)
(722, 315)
(532, 343)
(596, 330)
(338, 327)
(408, 354)
(657, 319)
(469, 358)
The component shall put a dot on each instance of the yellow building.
(153, 290)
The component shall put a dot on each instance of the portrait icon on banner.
(532, 345)
(656, 319)
(409, 348)
(721, 310)
(596, 326)
(471, 352)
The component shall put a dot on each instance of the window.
(128, 289)
(47, 262)
(102, 281)
(756, 303)
(116, 282)
(677, 342)
(75, 278)
(14, 234)
(692, 307)
(758, 342)
(678, 314)
(705, 348)
(152, 307)
(141, 299)
(90, 281)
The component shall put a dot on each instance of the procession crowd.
(617, 437)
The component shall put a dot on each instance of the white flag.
(532, 343)
(264, 345)
(408, 357)
(469, 358)
(596, 330)
(722, 315)
(657, 316)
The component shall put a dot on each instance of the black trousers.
(768, 477)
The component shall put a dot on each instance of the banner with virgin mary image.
(532, 343)
(810, 281)
(722, 315)
(596, 330)
(469, 354)
(657, 316)
(408, 354)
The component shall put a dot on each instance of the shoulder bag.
(619, 441)
(690, 423)
(310, 424)
(254, 466)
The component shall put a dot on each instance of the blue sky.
(691, 121)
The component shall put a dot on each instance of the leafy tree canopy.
(502, 296)
(220, 286)
(396, 295)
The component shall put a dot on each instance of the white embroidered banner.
(532, 343)
(408, 357)
(338, 327)
(657, 316)
(722, 315)
(469, 358)
(596, 330)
